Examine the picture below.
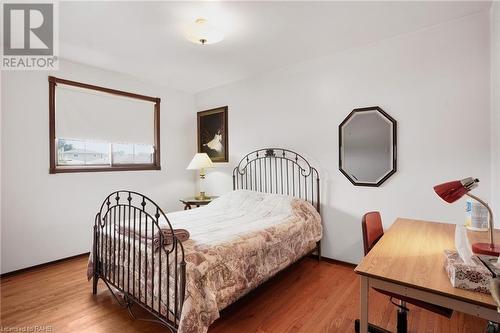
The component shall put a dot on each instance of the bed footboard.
(138, 262)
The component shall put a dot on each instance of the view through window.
(85, 152)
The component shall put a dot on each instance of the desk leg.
(363, 302)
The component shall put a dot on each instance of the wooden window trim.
(54, 168)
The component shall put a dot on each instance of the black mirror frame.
(394, 145)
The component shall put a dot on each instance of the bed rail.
(280, 171)
(125, 258)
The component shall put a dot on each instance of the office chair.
(372, 232)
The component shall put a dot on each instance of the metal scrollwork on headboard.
(280, 171)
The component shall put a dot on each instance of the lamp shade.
(454, 190)
(200, 161)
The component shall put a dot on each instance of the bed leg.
(95, 279)
(318, 249)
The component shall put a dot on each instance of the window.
(127, 153)
(81, 153)
(100, 129)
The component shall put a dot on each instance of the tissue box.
(475, 278)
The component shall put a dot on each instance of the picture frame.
(213, 134)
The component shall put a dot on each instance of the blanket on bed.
(165, 233)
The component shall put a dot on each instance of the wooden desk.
(409, 260)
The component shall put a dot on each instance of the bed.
(241, 239)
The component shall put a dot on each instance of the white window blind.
(98, 116)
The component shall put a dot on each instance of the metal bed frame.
(269, 170)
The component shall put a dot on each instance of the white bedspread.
(232, 215)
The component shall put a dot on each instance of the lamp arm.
(490, 220)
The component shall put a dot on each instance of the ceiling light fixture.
(203, 33)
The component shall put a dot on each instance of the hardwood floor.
(308, 297)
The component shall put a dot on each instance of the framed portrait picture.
(212, 134)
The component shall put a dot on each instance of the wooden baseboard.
(26, 269)
(334, 261)
(339, 262)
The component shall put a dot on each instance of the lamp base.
(486, 248)
(202, 196)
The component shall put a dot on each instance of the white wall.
(48, 217)
(495, 107)
(434, 82)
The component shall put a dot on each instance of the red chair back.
(372, 230)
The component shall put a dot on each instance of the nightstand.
(188, 202)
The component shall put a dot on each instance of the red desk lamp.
(452, 191)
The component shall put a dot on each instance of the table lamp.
(454, 190)
(201, 161)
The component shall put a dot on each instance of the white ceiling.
(146, 39)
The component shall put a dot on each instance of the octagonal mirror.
(367, 146)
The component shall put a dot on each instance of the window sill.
(127, 167)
